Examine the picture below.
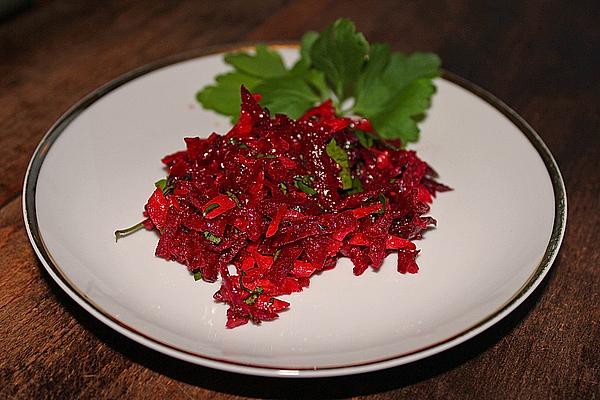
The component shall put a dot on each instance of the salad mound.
(281, 200)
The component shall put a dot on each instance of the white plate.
(498, 233)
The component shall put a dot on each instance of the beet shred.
(268, 199)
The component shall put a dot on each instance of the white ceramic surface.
(498, 233)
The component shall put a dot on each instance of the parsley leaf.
(289, 96)
(306, 44)
(371, 91)
(398, 119)
(340, 53)
(224, 96)
(391, 89)
(265, 63)
(403, 69)
(395, 89)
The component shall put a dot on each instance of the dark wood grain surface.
(541, 57)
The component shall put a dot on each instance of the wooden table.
(541, 57)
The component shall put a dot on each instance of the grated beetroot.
(268, 199)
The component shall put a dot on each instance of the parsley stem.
(128, 231)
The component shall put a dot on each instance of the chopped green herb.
(214, 239)
(340, 156)
(251, 299)
(164, 186)
(209, 208)
(357, 186)
(253, 296)
(383, 201)
(262, 155)
(161, 184)
(305, 188)
(128, 231)
(233, 197)
(303, 183)
(197, 275)
(234, 141)
(283, 188)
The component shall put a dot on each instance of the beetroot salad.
(282, 200)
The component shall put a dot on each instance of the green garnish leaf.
(288, 95)
(197, 275)
(394, 97)
(340, 156)
(224, 96)
(265, 63)
(340, 52)
(398, 119)
(371, 90)
(306, 44)
(387, 74)
(404, 69)
(391, 89)
(214, 239)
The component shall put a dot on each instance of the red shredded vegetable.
(268, 199)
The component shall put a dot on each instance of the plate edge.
(29, 214)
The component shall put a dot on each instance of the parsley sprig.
(391, 89)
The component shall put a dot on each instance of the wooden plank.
(538, 56)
